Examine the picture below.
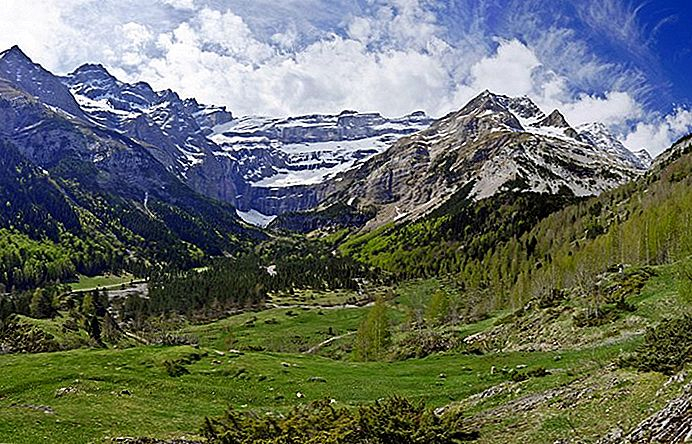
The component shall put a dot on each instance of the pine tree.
(41, 306)
(94, 329)
(111, 331)
(88, 305)
(438, 309)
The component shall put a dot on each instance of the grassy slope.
(163, 406)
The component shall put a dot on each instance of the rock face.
(257, 164)
(671, 425)
(173, 130)
(494, 143)
(27, 76)
(284, 161)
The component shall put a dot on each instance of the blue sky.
(622, 62)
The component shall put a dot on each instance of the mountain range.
(185, 164)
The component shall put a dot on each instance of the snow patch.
(254, 217)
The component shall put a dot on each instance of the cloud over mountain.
(593, 59)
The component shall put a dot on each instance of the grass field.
(88, 395)
(87, 283)
(164, 406)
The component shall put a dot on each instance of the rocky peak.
(94, 82)
(17, 68)
(92, 71)
(555, 119)
(15, 55)
(645, 157)
(485, 101)
(524, 108)
(598, 135)
(557, 122)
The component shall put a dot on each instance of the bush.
(395, 420)
(666, 348)
(16, 337)
(534, 373)
(419, 344)
(173, 340)
(595, 318)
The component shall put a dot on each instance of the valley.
(171, 272)
(86, 395)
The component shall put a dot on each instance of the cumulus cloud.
(657, 135)
(389, 56)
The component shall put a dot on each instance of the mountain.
(284, 161)
(494, 144)
(175, 129)
(262, 166)
(37, 82)
(394, 169)
(111, 182)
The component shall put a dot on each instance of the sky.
(625, 63)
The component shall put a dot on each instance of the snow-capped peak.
(597, 134)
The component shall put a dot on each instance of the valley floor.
(258, 362)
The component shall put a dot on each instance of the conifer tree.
(438, 309)
(41, 306)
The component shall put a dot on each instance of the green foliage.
(422, 343)
(514, 247)
(460, 231)
(175, 368)
(666, 348)
(374, 335)
(684, 282)
(538, 372)
(16, 337)
(394, 420)
(438, 311)
(42, 304)
(88, 307)
(245, 281)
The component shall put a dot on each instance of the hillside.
(493, 144)
(537, 248)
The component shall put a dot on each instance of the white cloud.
(305, 56)
(179, 4)
(614, 108)
(659, 134)
(509, 71)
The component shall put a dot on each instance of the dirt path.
(328, 341)
(319, 307)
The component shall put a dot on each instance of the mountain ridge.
(270, 166)
(495, 143)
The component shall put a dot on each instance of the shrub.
(534, 373)
(419, 344)
(666, 348)
(16, 337)
(395, 420)
(175, 368)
